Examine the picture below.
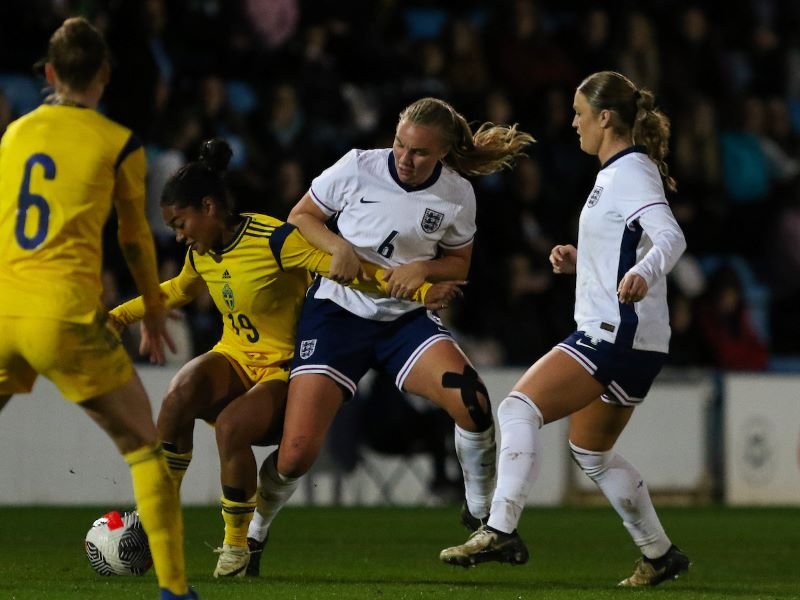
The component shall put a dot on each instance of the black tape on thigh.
(470, 384)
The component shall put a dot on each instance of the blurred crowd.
(294, 84)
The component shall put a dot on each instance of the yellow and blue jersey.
(61, 168)
(258, 283)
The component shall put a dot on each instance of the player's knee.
(133, 438)
(517, 408)
(228, 432)
(593, 463)
(180, 401)
(474, 397)
(296, 456)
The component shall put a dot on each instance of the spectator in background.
(640, 56)
(700, 206)
(767, 60)
(143, 67)
(217, 119)
(289, 184)
(567, 169)
(427, 75)
(779, 127)
(783, 265)
(279, 128)
(687, 345)
(274, 21)
(182, 135)
(593, 47)
(770, 120)
(693, 59)
(724, 321)
(317, 83)
(527, 324)
(525, 55)
(746, 178)
(466, 66)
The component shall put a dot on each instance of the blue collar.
(622, 153)
(414, 188)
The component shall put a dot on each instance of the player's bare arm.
(136, 242)
(310, 220)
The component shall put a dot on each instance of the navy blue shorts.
(626, 373)
(333, 341)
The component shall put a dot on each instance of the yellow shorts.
(250, 370)
(82, 360)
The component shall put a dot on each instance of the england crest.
(431, 220)
(307, 348)
(594, 196)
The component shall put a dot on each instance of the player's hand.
(632, 288)
(345, 265)
(403, 281)
(154, 334)
(441, 294)
(563, 259)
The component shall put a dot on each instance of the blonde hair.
(636, 114)
(490, 149)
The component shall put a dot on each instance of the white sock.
(627, 492)
(518, 460)
(477, 453)
(273, 493)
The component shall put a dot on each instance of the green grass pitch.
(391, 554)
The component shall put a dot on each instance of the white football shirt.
(626, 225)
(389, 223)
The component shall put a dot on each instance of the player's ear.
(209, 206)
(50, 74)
(605, 118)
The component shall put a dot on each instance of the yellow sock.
(159, 509)
(237, 517)
(177, 462)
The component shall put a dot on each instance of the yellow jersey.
(258, 284)
(61, 168)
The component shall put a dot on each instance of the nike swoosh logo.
(585, 345)
(369, 201)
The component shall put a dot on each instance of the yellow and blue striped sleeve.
(178, 291)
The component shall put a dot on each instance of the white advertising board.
(51, 453)
(762, 439)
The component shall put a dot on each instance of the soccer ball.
(117, 545)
